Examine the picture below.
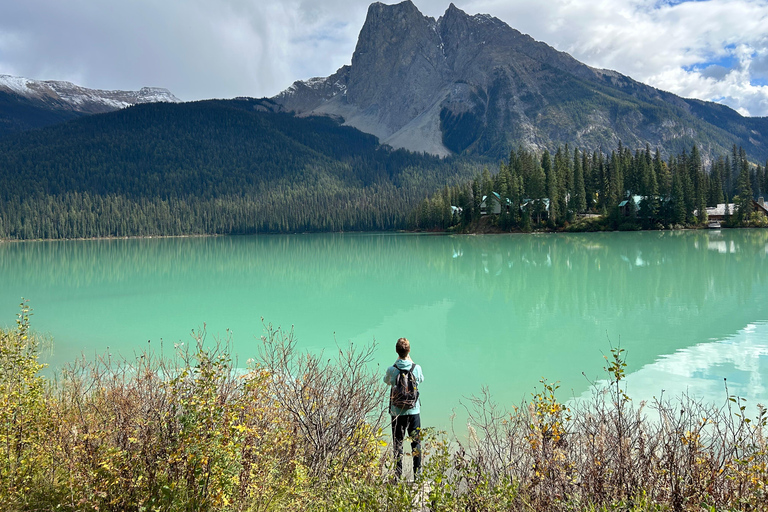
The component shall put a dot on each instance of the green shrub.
(193, 433)
(25, 425)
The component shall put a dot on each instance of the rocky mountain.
(466, 84)
(26, 103)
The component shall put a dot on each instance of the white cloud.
(201, 48)
(655, 42)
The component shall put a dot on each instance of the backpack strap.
(392, 387)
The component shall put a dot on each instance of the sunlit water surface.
(502, 311)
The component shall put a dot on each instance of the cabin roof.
(636, 199)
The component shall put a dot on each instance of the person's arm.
(386, 378)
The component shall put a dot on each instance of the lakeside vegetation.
(193, 432)
(236, 167)
(627, 190)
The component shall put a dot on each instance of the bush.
(607, 453)
(589, 224)
(298, 431)
(629, 226)
(186, 433)
(757, 220)
(25, 424)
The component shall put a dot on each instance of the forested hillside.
(18, 113)
(213, 167)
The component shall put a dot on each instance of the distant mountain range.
(27, 104)
(473, 85)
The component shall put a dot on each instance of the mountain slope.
(215, 167)
(473, 85)
(27, 104)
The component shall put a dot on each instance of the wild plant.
(299, 431)
(24, 423)
(336, 405)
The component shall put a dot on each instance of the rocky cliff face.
(472, 84)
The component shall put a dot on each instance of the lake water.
(502, 311)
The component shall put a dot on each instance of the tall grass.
(298, 431)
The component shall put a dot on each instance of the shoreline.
(81, 239)
(403, 231)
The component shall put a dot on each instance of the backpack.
(405, 391)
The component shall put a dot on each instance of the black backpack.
(405, 391)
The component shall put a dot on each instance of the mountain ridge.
(471, 84)
(26, 103)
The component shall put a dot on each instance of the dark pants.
(410, 423)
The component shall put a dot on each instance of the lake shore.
(137, 237)
(196, 433)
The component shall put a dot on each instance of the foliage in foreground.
(302, 432)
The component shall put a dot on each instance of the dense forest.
(18, 113)
(239, 167)
(210, 167)
(629, 190)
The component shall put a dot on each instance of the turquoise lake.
(502, 311)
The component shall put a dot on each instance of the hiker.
(404, 405)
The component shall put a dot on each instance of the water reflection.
(500, 310)
(704, 370)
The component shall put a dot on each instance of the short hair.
(403, 347)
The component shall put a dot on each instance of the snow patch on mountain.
(15, 84)
(82, 99)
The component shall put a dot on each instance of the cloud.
(196, 48)
(711, 49)
(668, 44)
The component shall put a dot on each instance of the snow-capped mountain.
(59, 94)
(27, 104)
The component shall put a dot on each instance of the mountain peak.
(403, 10)
(397, 56)
(452, 10)
(473, 84)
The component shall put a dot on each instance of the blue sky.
(710, 49)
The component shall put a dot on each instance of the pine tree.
(477, 199)
(663, 175)
(727, 214)
(551, 186)
(678, 199)
(486, 183)
(579, 190)
(698, 188)
(765, 179)
(716, 195)
(744, 186)
(589, 186)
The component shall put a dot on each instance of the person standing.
(403, 407)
